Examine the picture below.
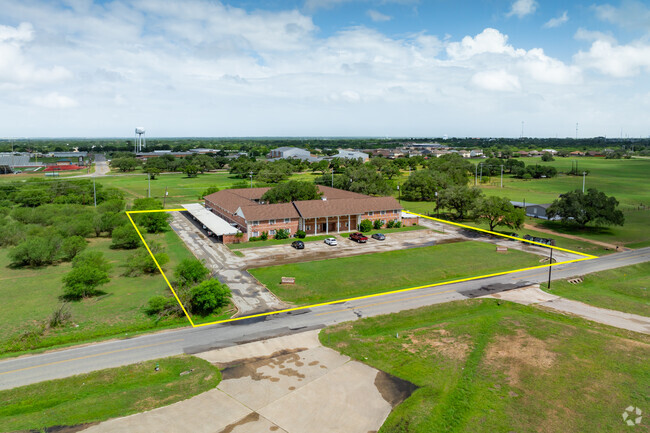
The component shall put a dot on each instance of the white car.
(331, 241)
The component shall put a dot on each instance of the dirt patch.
(393, 389)
(518, 351)
(438, 340)
(251, 369)
(251, 417)
(65, 428)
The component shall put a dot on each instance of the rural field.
(333, 279)
(104, 394)
(31, 295)
(488, 366)
(625, 289)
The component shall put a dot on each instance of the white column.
(338, 224)
(327, 225)
(316, 226)
(349, 226)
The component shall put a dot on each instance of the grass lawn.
(394, 230)
(30, 296)
(272, 242)
(490, 366)
(334, 279)
(105, 394)
(625, 289)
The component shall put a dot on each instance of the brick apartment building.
(337, 211)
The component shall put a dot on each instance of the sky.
(379, 68)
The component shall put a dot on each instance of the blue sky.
(324, 68)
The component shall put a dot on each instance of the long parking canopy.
(216, 225)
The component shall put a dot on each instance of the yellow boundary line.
(586, 257)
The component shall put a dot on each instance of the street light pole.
(250, 173)
(502, 176)
(149, 176)
(550, 262)
(584, 173)
(475, 174)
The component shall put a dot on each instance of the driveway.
(248, 295)
(289, 384)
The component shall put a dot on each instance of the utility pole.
(584, 174)
(94, 191)
(399, 195)
(165, 198)
(149, 177)
(502, 176)
(481, 178)
(550, 262)
(250, 173)
(475, 174)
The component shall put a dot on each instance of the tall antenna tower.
(140, 140)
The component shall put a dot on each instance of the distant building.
(203, 150)
(292, 153)
(534, 210)
(551, 151)
(476, 153)
(352, 154)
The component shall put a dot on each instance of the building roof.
(258, 212)
(345, 206)
(216, 225)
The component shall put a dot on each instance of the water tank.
(139, 130)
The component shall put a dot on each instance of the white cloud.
(521, 8)
(54, 100)
(616, 60)
(488, 41)
(23, 33)
(631, 14)
(378, 17)
(499, 81)
(558, 21)
(590, 36)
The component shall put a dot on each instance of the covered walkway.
(218, 226)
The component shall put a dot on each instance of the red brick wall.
(264, 226)
(233, 239)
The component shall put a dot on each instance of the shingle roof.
(269, 211)
(345, 206)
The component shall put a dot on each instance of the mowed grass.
(105, 394)
(625, 289)
(334, 279)
(31, 295)
(493, 366)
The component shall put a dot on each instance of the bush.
(36, 251)
(365, 226)
(11, 234)
(161, 306)
(154, 222)
(390, 224)
(300, 234)
(398, 224)
(282, 234)
(264, 236)
(253, 239)
(125, 237)
(190, 271)
(72, 246)
(93, 259)
(210, 190)
(82, 281)
(377, 224)
(208, 297)
(141, 262)
(60, 316)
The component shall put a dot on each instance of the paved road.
(36, 368)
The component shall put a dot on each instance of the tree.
(210, 190)
(93, 259)
(389, 170)
(152, 171)
(460, 198)
(190, 271)
(153, 222)
(547, 157)
(362, 179)
(72, 246)
(81, 282)
(209, 297)
(580, 208)
(292, 191)
(141, 261)
(191, 170)
(365, 226)
(125, 237)
(498, 211)
(422, 185)
(125, 163)
(36, 251)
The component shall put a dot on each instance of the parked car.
(379, 236)
(359, 238)
(331, 241)
(299, 245)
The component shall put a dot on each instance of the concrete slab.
(524, 295)
(252, 423)
(303, 340)
(204, 413)
(346, 400)
(260, 383)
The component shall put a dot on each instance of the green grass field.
(625, 289)
(105, 394)
(490, 366)
(334, 279)
(30, 296)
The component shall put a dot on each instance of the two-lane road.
(62, 363)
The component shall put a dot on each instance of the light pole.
(584, 173)
(250, 173)
(149, 177)
(550, 262)
(502, 176)
(481, 177)
(475, 174)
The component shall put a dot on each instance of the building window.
(256, 234)
(370, 213)
(287, 220)
(272, 232)
(255, 223)
(383, 212)
(308, 227)
(271, 222)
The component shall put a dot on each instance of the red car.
(359, 237)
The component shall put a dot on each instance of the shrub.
(72, 246)
(11, 234)
(253, 239)
(300, 234)
(36, 251)
(282, 234)
(82, 281)
(60, 316)
(264, 236)
(125, 237)
(365, 226)
(209, 296)
(161, 306)
(93, 259)
(390, 224)
(141, 262)
(210, 190)
(398, 224)
(153, 222)
(377, 224)
(190, 271)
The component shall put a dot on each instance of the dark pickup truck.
(359, 237)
